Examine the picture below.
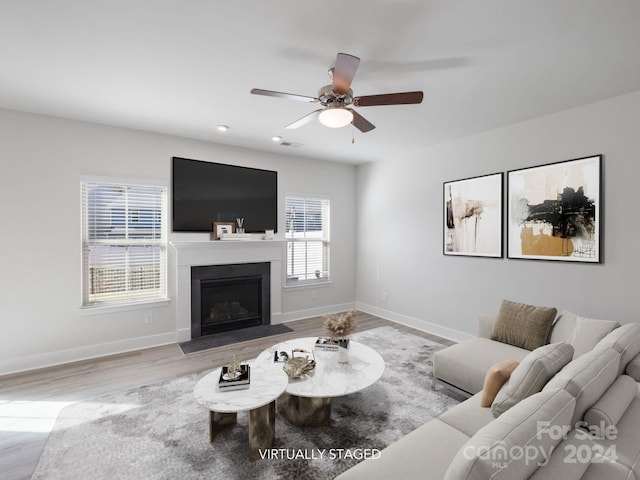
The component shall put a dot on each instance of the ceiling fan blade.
(304, 120)
(290, 96)
(360, 122)
(343, 72)
(403, 98)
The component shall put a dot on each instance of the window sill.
(308, 284)
(123, 307)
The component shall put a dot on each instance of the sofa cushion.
(587, 378)
(612, 405)
(622, 442)
(468, 416)
(495, 378)
(563, 327)
(626, 341)
(522, 325)
(465, 364)
(577, 458)
(497, 450)
(563, 463)
(532, 374)
(588, 332)
(633, 368)
(424, 453)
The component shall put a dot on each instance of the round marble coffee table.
(267, 384)
(307, 400)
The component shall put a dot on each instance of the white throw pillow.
(531, 375)
(588, 332)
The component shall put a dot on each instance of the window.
(124, 249)
(307, 235)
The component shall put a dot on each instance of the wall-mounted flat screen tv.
(206, 192)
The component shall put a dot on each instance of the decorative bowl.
(298, 367)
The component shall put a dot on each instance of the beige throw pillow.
(494, 379)
(535, 370)
(522, 325)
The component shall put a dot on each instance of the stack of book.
(326, 344)
(236, 380)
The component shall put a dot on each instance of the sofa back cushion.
(564, 463)
(534, 371)
(633, 368)
(522, 325)
(587, 378)
(563, 327)
(607, 411)
(588, 332)
(626, 341)
(515, 444)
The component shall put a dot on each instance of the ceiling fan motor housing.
(328, 97)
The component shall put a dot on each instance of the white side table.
(267, 383)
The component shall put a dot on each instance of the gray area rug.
(159, 432)
(235, 336)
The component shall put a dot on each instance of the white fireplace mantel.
(190, 254)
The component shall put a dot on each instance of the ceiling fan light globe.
(335, 117)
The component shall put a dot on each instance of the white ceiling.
(184, 66)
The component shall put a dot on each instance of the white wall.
(400, 215)
(43, 160)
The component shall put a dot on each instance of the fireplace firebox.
(229, 297)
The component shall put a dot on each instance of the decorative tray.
(298, 367)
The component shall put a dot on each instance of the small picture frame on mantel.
(221, 228)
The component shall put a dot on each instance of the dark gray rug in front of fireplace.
(235, 336)
(159, 432)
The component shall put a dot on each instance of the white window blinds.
(124, 257)
(307, 235)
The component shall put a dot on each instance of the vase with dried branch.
(339, 327)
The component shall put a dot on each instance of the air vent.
(291, 144)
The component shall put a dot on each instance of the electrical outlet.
(148, 318)
(385, 297)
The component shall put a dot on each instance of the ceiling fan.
(337, 98)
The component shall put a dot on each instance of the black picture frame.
(554, 211)
(473, 216)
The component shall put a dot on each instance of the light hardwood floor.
(30, 401)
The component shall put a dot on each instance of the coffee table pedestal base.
(305, 411)
(262, 427)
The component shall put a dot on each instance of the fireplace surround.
(229, 297)
(188, 254)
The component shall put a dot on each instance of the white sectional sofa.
(570, 410)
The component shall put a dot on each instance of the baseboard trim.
(51, 359)
(59, 357)
(312, 312)
(422, 325)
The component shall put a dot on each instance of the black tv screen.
(206, 192)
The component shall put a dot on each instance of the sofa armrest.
(485, 324)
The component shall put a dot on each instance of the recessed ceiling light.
(276, 138)
(223, 128)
